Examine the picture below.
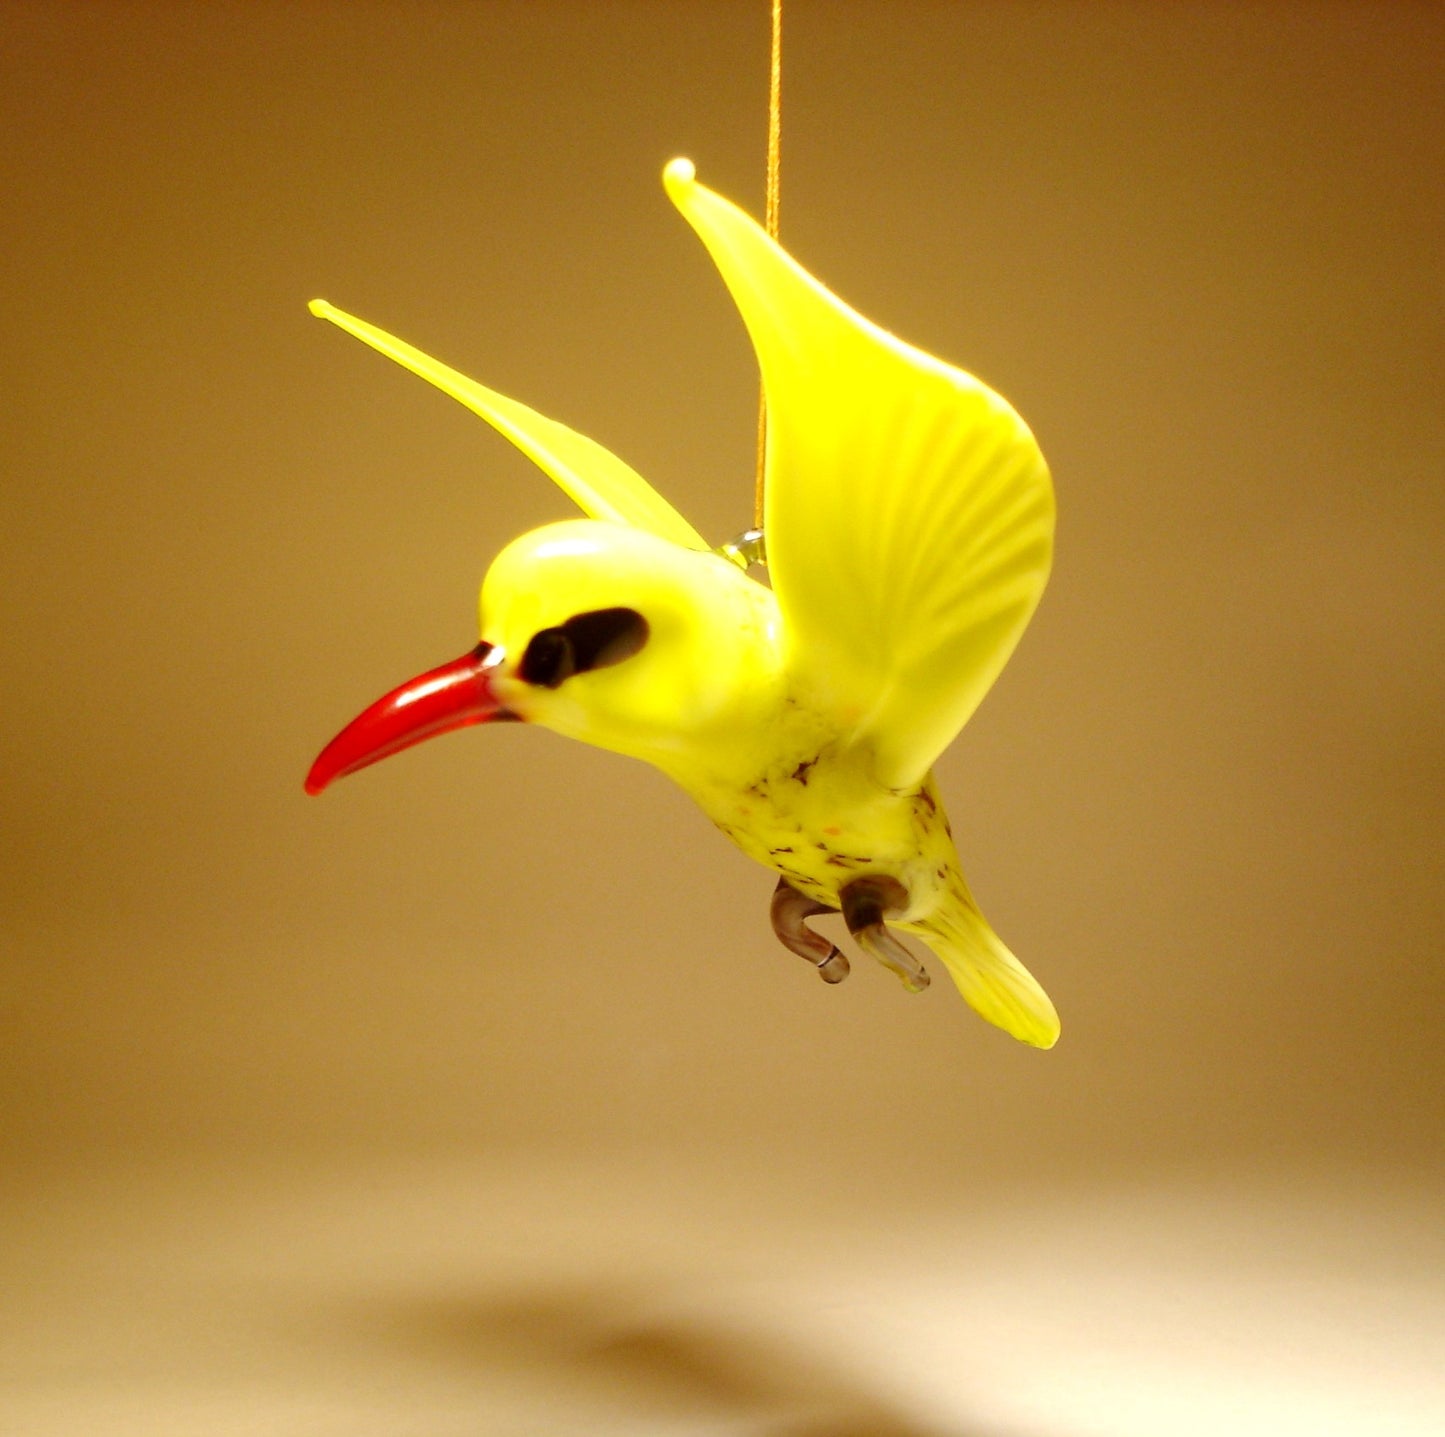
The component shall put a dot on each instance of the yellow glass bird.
(909, 522)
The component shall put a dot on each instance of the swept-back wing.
(600, 483)
(909, 514)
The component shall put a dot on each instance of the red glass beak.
(453, 696)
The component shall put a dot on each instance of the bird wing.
(601, 484)
(908, 514)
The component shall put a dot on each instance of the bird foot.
(865, 902)
(789, 909)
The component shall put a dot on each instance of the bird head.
(603, 632)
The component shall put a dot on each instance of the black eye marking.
(549, 660)
(586, 641)
(605, 636)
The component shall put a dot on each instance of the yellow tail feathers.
(993, 982)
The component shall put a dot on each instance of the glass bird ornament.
(908, 527)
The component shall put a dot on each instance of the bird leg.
(789, 909)
(865, 902)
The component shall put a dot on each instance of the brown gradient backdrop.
(477, 1097)
(1200, 247)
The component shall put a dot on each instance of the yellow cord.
(770, 223)
(775, 119)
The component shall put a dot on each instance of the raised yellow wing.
(909, 514)
(601, 484)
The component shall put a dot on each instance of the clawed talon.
(865, 902)
(789, 909)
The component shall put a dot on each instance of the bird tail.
(993, 982)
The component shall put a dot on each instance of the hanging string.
(770, 223)
(775, 118)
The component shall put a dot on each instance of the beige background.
(1198, 246)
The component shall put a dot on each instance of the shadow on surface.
(606, 1347)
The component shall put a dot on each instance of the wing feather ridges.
(909, 513)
